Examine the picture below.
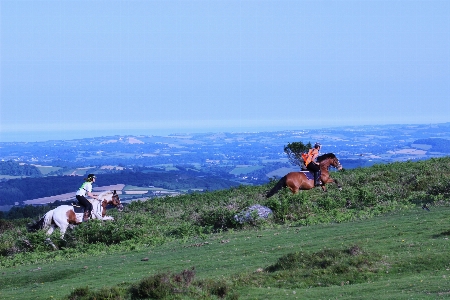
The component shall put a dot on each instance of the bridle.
(115, 201)
(337, 164)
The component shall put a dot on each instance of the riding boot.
(316, 179)
(86, 215)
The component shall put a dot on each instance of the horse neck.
(105, 197)
(100, 205)
(325, 164)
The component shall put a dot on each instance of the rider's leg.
(89, 210)
(87, 207)
(86, 215)
(313, 168)
(316, 179)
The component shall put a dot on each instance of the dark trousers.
(85, 202)
(312, 167)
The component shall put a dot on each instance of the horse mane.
(104, 193)
(325, 156)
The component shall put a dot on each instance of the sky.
(90, 68)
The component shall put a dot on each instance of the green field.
(47, 169)
(413, 246)
(244, 169)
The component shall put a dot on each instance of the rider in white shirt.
(86, 189)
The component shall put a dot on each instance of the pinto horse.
(296, 181)
(64, 215)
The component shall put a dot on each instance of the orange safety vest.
(311, 154)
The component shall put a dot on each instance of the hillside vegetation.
(199, 221)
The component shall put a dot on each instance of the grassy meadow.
(373, 240)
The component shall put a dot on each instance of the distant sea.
(44, 136)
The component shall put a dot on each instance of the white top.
(85, 187)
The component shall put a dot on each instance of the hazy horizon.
(42, 136)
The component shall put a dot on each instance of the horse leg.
(294, 189)
(338, 185)
(50, 229)
(61, 220)
(298, 181)
(328, 179)
(62, 227)
(72, 218)
(49, 242)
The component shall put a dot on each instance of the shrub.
(79, 293)
(219, 219)
(156, 287)
(320, 268)
(162, 285)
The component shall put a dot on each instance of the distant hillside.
(437, 144)
(18, 190)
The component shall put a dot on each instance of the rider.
(86, 188)
(311, 164)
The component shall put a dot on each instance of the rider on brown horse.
(312, 165)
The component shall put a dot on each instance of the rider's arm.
(92, 195)
(315, 155)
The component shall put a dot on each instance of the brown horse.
(296, 181)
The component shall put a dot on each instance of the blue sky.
(93, 68)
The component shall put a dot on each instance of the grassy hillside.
(315, 245)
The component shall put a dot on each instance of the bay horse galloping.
(64, 215)
(296, 181)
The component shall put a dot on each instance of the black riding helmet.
(90, 177)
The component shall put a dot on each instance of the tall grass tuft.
(328, 266)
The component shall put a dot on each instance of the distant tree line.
(26, 212)
(437, 145)
(13, 168)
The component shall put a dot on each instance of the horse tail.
(36, 225)
(41, 223)
(280, 184)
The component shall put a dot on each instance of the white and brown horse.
(64, 215)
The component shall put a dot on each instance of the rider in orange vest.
(312, 165)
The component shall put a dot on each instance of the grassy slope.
(410, 245)
(413, 243)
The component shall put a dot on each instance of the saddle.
(77, 208)
(309, 175)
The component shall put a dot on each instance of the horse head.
(329, 159)
(111, 198)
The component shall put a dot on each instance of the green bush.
(162, 285)
(219, 219)
(352, 265)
